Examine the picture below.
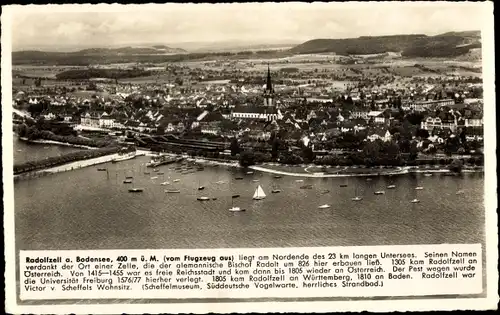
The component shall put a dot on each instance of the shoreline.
(52, 142)
(68, 166)
(402, 170)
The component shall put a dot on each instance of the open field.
(319, 67)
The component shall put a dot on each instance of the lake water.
(88, 209)
(24, 152)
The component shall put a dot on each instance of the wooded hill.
(444, 45)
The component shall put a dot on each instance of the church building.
(268, 112)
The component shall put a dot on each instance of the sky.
(72, 26)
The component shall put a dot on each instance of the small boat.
(201, 187)
(172, 191)
(154, 177)
(249, 173)
(460, 192)
(343, 185)
(160, 173)
(127, 181)
(379, 192)
(156, 170)
(203, 198)
(428, 174)
(306, 187)
(102, 169)
(299, 180)
(135, 190)
(391, 186)
(236, 209)
(176, 180)
(164, 183)
(275, 191)
(129, 177)
(255, 180)
(357, 198)
(277, 176)
(368, 179)
(325, 191)
(220, 182)
(235, 196)
(325, 206)
(259, 194)
(146, 173)
(415, 201)
(214, 198)
(238, 178)
(419, 188)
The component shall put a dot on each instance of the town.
(267, 112)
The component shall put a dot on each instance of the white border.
(490, 302)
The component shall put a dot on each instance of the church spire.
(269, 85)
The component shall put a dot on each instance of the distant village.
(444, 116)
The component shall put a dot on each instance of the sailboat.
(259, 194)
(200, 187)
(235, 209)
(357, 198)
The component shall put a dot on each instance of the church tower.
(269, 91)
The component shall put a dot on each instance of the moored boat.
(379, 192)
(163, 160)
(172, 191)
(203, 198)
(135, 190)
(236, 209)
(276, 191)
(391, 186)
(127, 181)
(125, 157)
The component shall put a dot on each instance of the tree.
(234, 147)
(456, 166)
(247, 158)
(308, 154)
(274, 148)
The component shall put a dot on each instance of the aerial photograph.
(247, 126)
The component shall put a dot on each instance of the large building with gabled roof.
(268, 112)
